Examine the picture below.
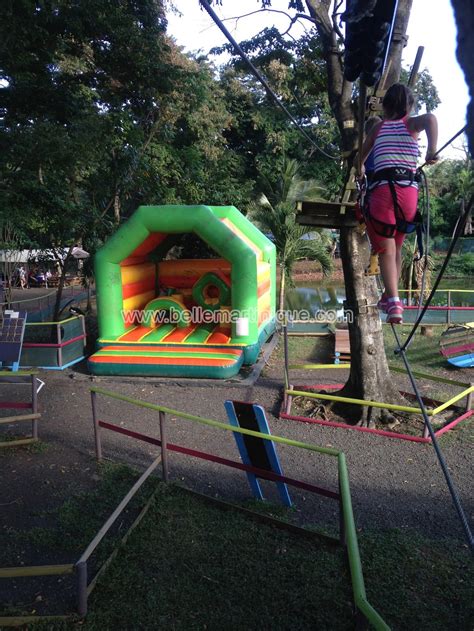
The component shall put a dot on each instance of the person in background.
(391, 210)
(22, 277)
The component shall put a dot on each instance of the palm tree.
(275, 213)
(413, 270)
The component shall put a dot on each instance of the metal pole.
(81, 569)
(285, 352)
(164, 449)
(34, 405)
(342, 529)
(98, 445)
(60, 350)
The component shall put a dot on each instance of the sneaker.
(383, 304)
(394, 312)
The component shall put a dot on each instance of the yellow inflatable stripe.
(192, 267)
(263, 303)
(135, 273)
(243, 238)
(138, 301)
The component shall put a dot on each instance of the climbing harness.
(394, 177)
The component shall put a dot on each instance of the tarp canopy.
(24, 256)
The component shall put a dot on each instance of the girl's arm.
(369, 143)
(429, 124)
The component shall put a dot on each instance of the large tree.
(369, 375)
(100, 112)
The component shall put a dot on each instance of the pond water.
(329, 296)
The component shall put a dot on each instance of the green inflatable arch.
(231, 235)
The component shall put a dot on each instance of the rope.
(457, 233)
(262, 79)
(439, 454)
(426, 214)
(447, 143)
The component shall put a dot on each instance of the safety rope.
(439, 453)
(457, 233)
(262, 79)
(401, 350)
(461, 131)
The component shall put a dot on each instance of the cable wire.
(439, 453)
(262, 79)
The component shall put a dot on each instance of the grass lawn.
(190, 565)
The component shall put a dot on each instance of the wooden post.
(469, 399)
(81, 569)
(98, 446)
(416, 67)
(164, 449)
(34, 406)
(60, 350)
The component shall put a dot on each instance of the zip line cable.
(457, 233)
(262, 79)
(439, 453)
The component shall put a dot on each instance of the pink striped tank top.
(395, 147)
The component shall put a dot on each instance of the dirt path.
(395, 484)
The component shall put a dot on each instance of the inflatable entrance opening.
(186, 317)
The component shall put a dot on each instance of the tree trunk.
(281, 299)
(59, 293)
(369, 377)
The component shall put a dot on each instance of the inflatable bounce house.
(186, 317)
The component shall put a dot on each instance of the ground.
(394, 484)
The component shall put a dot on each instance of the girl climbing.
(391, 210)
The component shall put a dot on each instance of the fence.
(54, 345)
(23, 378)
(40, 308)
(84, 587)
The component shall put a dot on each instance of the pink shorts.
(381, 209)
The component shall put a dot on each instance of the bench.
(457, 345)
(342, 346)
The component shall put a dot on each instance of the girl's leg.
(399, 239)
(388, 267)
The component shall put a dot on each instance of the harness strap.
(394, 174)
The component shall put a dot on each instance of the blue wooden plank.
(256, 452)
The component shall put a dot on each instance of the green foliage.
(450, 182)
(425, 91)
(260, 131)
(459, 265)
(100, 112)
(415, 271)
(274, 212)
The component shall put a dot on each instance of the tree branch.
(297, 16)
